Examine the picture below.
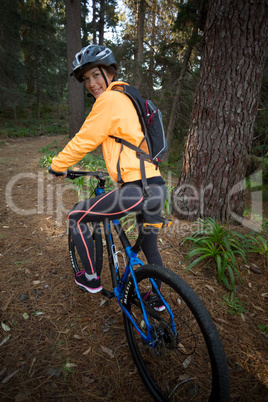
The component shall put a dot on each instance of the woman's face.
(94, 81)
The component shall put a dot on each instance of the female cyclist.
(113, 114)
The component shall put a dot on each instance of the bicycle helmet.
(91, 56)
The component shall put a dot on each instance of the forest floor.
(60, 344)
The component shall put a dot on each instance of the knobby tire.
(188, 366)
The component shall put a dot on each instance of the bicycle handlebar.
(73, 174)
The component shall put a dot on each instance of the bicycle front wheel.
(184, 364)
(77, 265)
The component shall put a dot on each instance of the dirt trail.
(53, 336)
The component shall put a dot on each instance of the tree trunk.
(175, 105)
(140, 39)
(74, 44)
(224, 110)
(101, 22)
(94, 23)
(152, 47)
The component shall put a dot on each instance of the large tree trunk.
(224, 110)
(176, 99)
(74, 44)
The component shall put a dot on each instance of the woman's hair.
(110, 70)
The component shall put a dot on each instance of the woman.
(112, 114)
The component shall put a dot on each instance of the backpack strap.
(119, 177)
(123, 90)
(142, 157)
(146, 189)
(133, 147)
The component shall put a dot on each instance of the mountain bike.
(176, 348)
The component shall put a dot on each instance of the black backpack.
(154, 145)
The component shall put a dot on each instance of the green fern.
(214, 242)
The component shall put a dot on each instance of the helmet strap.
(104, 76)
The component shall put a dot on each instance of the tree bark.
(101, 22)
(140, 40)
(175, 104)
(94, 23)
(74, 44)
(152, 47)
(224, 111)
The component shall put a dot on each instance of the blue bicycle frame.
(119, 284)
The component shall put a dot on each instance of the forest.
(162, 48)
(204, 65)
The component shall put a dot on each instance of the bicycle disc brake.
(164, 339)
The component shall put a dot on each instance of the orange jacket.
(112, 114)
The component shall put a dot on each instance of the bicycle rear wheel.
(188, 365)
(77, 265)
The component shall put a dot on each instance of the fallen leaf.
(70, 365)
(103, 301)
(78, 337)
(87, 351)
(6, 379)
(264, 295)
(186, 362)
(108, 351)
(64, 332)
(5, 340)
(142, 324)
(221, 320)
(182, 347)
(5, 327)
(255, 270)
(258, 308)
(210, 288)
(25, 316)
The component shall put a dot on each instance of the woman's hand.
(62, 174)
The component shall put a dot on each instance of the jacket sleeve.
(96, 128)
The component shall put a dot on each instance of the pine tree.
(224, 111)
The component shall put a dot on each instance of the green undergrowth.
(226, 249)
(49, 152)
(32, 128)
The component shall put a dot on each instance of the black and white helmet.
(91, 56)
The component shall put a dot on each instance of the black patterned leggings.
(114, 205)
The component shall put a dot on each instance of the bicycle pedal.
(107, 293)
